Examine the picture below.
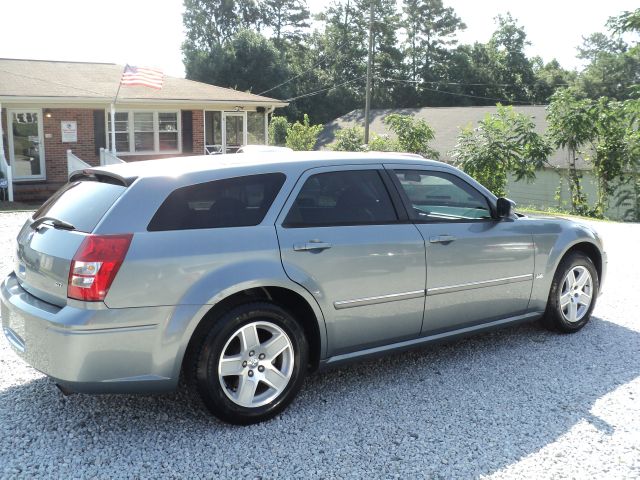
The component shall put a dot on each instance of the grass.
(559, 213)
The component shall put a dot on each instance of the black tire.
(204, 363)
(554, 319)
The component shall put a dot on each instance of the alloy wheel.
(256, 364)
(576, 294)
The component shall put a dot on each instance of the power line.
(456, 83)
(324, 89)
(302, 73)
(458, 94)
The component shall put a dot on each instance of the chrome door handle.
(441, 239)
(311, 245)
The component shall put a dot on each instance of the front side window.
(438, 197)
(347, 197)
(145, 132)
(232, 202)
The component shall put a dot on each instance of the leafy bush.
(352, 140)
(278, 131)
(503, 143)
(303, 136)
(413, 134)
(349, 140)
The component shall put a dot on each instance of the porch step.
(32, 193)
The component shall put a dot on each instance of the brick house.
(48, 108)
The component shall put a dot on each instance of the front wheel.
(251, 364)
(573, 294)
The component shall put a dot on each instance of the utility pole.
(367, 101)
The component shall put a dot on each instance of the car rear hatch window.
(49, 240)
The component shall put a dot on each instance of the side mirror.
(504, 206)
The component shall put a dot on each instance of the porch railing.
(6, 182)
(108, 158)
(74, 163)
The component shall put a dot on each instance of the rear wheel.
(251, 363)
(573, 294)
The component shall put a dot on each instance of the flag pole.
(113, 116)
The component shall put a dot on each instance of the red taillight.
(95, 265)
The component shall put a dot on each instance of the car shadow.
(466, 408)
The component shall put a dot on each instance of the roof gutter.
(159, 101)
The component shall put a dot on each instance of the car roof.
(171, 167)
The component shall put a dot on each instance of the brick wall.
(198, 132)
(56, 152)
(84, 148)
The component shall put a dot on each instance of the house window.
(122, 131)
(144, 132)
(168, 131)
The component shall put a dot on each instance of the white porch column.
(266, 125)
(3, 159)
(113, 129)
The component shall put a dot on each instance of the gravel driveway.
(520, 402)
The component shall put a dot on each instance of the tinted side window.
(348, 197)
(439, 197)
(233, 202)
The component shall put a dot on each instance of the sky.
(150, 32)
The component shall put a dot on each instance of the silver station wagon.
(246, 272)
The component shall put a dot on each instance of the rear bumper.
(88, 350)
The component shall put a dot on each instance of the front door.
(26, 146)
(234, 131)
(342, 239)
(479, 269)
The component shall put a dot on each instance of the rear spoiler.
(101, 175)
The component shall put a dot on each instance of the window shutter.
(187, 131)
(99, 136)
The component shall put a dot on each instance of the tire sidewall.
(208, 383)
(553, 310)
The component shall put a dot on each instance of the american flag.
(146, 77)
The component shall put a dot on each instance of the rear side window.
(346, 197)
(82, 203)
(232, 202)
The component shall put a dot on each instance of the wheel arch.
(590, 250)
(300, 304)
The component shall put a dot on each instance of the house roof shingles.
(99, 81)
(447, 123)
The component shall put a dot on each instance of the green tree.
(615, 147)
(571, 126)
(628, 21)
(430, 30)
(248, 62)
(212, 23)
(303, 136)
(549, 77)
(613, 69)
(278, 127)
(414, 135)
(288, 18)
(513, 70)
(502, 143)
